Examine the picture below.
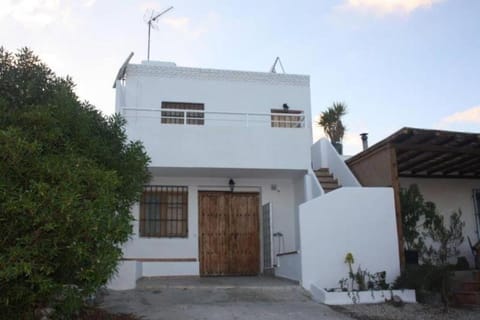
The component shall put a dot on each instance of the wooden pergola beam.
(421, 158)
(437, 149)
(475, 175)
(432, 161)
(447, 163)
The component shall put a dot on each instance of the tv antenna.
(273, 69)
(151, 19)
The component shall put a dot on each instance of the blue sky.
(394, 62)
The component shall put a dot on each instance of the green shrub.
(68, 179)
(424, 279)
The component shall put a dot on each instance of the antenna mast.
(150, 22)
(273, 69)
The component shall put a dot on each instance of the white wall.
(126, 277)
(324, 155)
(282, 200)
(220, 90)
(357, 220)
(289, 267)
(450, 195)
(222, 146)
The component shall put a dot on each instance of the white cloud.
(40, 13)
(88, 3)
(471, 115)
(385, 7)
(177, 23)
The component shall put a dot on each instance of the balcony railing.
(215, 118)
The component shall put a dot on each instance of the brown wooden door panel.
(229, 233)
(212, 221)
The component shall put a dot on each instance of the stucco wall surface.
(225, 140)
(449, 195)
(357, 220)
(283, 203)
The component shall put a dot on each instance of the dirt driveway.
(257, 298)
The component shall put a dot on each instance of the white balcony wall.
(225, 140)
(221, 147)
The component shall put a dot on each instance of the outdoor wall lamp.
(231, 184)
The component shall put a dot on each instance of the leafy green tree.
(445, 238)
(416, 214)
(68, 179)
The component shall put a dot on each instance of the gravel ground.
(415, 311)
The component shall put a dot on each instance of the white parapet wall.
(288, 266)
(128, 272)
(324, 155)
(357, 220)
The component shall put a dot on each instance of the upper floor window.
(285, 118)
(164, 211)
(184, 115)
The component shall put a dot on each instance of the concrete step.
(191, 282)
(327, 179)
(323, 173)
(327, 190)
(329, 185)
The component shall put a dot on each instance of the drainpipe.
(364, 140)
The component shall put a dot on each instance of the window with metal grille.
(164, 211)
(179, 117)
(289, 120)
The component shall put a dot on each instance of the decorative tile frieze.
(217, 75)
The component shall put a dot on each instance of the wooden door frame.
(259, 231)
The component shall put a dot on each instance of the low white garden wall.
(128, 272)
(357, 220)
(288, 266)
(377, 296)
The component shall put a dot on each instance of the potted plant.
(417, 214)
(331, 121)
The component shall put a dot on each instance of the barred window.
(179, 117)
(289, 120)
(164, 212)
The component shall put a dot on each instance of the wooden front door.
(229, 233)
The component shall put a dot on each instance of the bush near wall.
(68, 179)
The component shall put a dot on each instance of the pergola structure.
(417, 153)
(435, 153)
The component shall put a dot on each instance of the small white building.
(234, 188)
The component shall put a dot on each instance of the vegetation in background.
(436, 240)
(68, 179)
(417, 214)
(445, 240)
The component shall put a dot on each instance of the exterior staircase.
(469, 293)
(327, 180)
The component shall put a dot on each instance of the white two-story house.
(234, 188)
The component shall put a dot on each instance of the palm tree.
(331, 121)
